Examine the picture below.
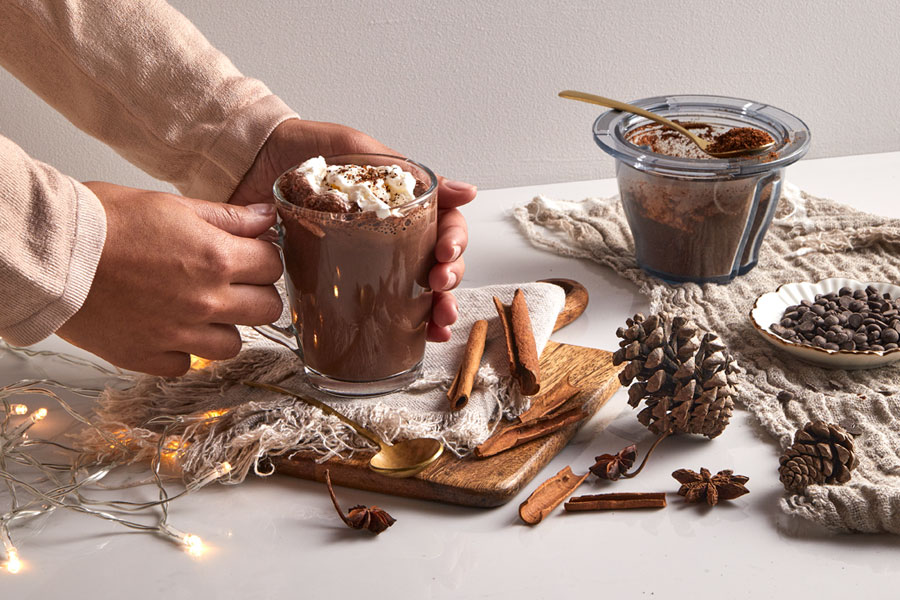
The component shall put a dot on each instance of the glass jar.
(699, 219)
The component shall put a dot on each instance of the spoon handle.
(610, 103)
(320, 405)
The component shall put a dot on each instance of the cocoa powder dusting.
(740, 138)
(662, 139)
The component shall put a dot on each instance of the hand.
(174, 278)
(294, 141)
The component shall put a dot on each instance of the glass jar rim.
(791, 135)
(356, 158)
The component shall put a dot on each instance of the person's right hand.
(175, 277)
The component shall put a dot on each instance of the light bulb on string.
(191, 543)
(13, 564)
(18, 409)
(214, 414)
(220, 471)
(194, 545)
(20, 432)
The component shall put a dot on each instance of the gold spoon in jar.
(701, 143)
(403, 459)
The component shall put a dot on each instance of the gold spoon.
(701, 143)
(403, 459)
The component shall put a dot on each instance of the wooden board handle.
(576, 301)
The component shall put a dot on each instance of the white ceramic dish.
(769, 308)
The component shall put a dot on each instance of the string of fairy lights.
(41, 476)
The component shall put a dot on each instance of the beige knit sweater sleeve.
(139, 76)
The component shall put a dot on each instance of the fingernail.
(262, 209)
(451, 281)
(457, 251)
(459, 186)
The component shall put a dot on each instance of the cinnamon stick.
(620, 501)
(461, 388)
(549, 495)
(517, 435)
(550, 401)
(521, 350)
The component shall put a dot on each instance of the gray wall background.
(469, 87)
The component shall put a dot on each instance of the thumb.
(244, 221)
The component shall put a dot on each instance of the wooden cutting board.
(492, 481)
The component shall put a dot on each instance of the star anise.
(361, 517)
(613, 466)
(372, 518)
(721, 486)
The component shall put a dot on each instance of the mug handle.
(289, 332)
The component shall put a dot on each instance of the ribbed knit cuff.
(88, 239)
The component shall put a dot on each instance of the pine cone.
(822, 453)
(686, 380)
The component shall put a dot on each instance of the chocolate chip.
(806, 326)
(785, 396)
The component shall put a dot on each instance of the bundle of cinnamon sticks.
(521, 350)
(549, 412)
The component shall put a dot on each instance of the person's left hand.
(296, 140)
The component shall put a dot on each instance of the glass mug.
(358, 286)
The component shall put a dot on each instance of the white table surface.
(280, 537)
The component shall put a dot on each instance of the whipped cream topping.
(376, 189)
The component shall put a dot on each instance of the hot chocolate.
(359, 238)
